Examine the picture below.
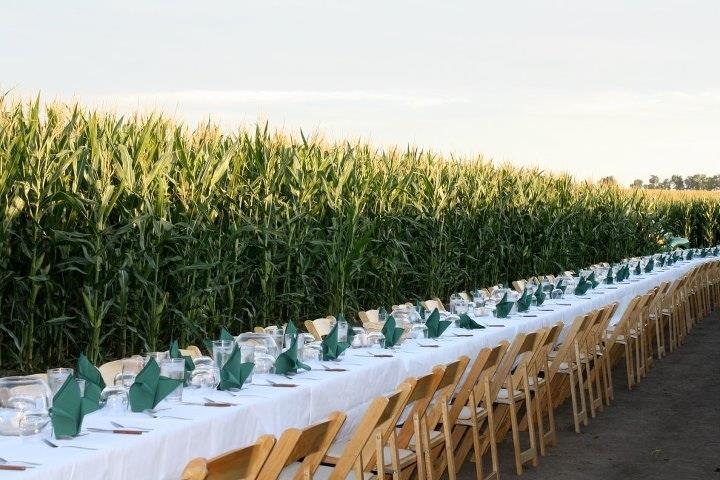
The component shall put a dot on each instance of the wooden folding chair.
(366, 443)
(242, 464)
(621, 335)
(472, 411)
(298, 452)
(539, 380)
(434, 303)
(437, 444)
(519, 285)
(563, 371)
(320, 327)
(516, 390)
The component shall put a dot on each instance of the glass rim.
(60, 370)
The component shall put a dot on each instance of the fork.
(117, 425)
(4, 461)
(53, 445)
(153, 413)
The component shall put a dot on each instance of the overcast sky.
(623, 88)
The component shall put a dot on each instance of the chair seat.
(565, 367)
(323, 473)
(503, 396)
(465, 417)
(436, 438)
(553, 354)
(540, 382)
(407, 457)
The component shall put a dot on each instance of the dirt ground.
(668, 427)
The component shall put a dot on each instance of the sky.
(621, 88)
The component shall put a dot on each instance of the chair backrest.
(191, 351)
(369, 316)
(418, 402)
(110, 370)
(320, 327)
(258, 330)
(308, 444)
(454, 372)
(358, 453)
(566, 350)
(465, 296)
(623, 325)
(539, 361)
(519, 285)
(483, 368)
(433, 304)
(244, 463)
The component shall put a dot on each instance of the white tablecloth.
(163, 452)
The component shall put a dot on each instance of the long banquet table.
(163, 452)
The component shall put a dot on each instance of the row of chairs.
(430, 425)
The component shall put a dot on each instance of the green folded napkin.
(540, 295)
(649, 266)
(290, 328)
(582, 286)
(559, 285)
(661, 261)
(150, 387)
(638, 271)
(609, 277)
(94, 382)
(391, 332)
(716, 251)
(524, 302)
(224, 335)
(68, 410)
(175, 353)
(331, 347)
(436, 326)
(382, 313)
(703, 253)
(593, 281)
(689, 255)
(234, 373)
(468, 323)
(503, 307)
(288, 362)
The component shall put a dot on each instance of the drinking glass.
(376, 340)
(56, 378)
(174, 368)
(158, 356)
(24, 403)
(418, 331)
(222, 349)
(264, 363)
(114, 399)
(247, 354)
(359, 338)
(130, 368)
(312, 352)
(556, 294)
(205, 377)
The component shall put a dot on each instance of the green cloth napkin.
(689, 255)
(331, 348)
(288, 362)
(234, 373)
(593, 281)
(290, 328)
(503, 307)
(716, 251)
(468, 323)
(609, 277)
(94, 382)
(524, 302)
(382, 313)
(540, 295)
(582, 286)
(661, 261)
(703, 253)
(436, 326)
(68, 410)
(224, 335)
(559, 285)
(649, 266)
(150, 387)
(391, 332)
(637, 269)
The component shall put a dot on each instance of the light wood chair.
(471, 414)
(244, 463)
(515, 394)
(563, 371)
(620, 335)
(367, 439)
(370, 320)
(437, 444)
(298, 452)
(191, 351)
(320, 327)
(434, 303)
(519, 285)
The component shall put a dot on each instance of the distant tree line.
(677, 182)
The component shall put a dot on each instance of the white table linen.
(163, 452)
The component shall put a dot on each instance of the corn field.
(120, 234)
